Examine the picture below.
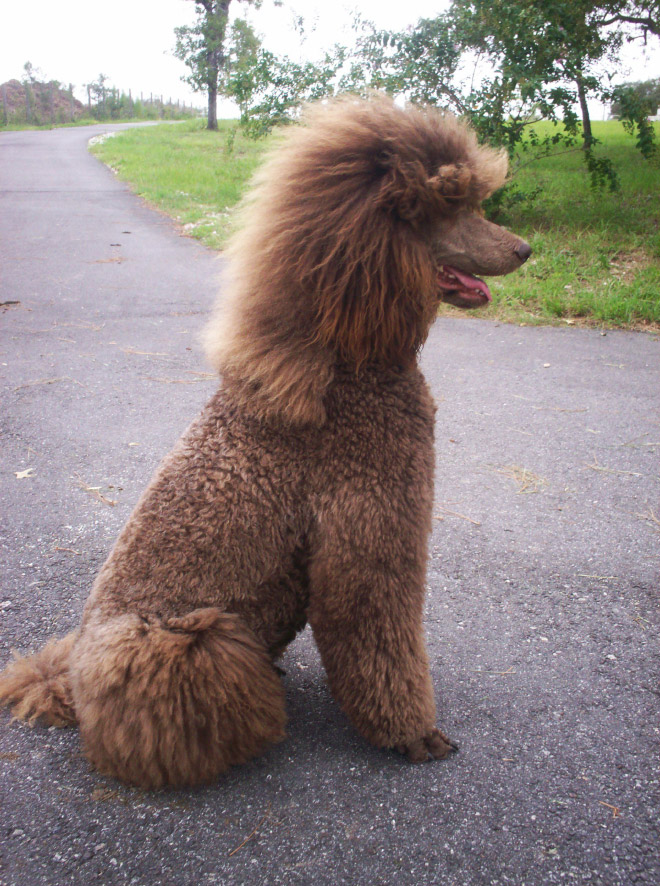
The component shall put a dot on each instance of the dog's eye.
(383, 160)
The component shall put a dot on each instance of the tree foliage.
(633, 103)
(647, 92)
(419, 62)
(272, 92)
(560, 53)
(270, 89)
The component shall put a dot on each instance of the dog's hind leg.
(177, 701)
(39, 686)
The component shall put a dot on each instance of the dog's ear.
(451, 183)
(407, 189)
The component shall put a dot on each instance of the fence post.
(52, 102)
(5, 117)
(71, 114)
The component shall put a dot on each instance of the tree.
(537, 45)
(279, 86)
(244, 68)
(419, 63)
(647, 92)
(30, 79)
(558, 44)
(97, 92)
(202, 47)
(270, 89)
(633, 103)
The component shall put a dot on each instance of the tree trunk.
(217, 15)
(212, 117)
(213, 62)
(587, 136)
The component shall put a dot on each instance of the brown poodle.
(304, 490)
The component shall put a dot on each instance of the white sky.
(132, 41)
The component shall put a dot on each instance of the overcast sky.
(131, 41)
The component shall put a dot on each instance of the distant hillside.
(37, 103)
(49, 104)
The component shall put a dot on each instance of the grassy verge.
(70, 124)
(596, 254)
(85, 121)
(194, 175)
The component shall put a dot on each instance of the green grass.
(20, 127)
(68, 124)
(596, 254)
(194, 175)
(79, 121)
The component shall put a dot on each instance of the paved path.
(542, 609)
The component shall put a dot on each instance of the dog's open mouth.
(461, 289)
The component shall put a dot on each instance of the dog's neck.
(266, 341)
(269, 362)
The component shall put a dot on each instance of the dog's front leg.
(366, 602)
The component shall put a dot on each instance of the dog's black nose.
(524, 251)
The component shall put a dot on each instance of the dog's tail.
(39, 686)
(174, 701)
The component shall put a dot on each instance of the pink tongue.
(470, 282)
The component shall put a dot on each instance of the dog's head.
(435, 183)
(377, 219)
(364, 218)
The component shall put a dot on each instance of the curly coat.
(303, 492)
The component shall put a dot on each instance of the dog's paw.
(434, 744)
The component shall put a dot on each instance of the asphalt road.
(542, 607)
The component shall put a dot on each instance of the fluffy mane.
(332, 262)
